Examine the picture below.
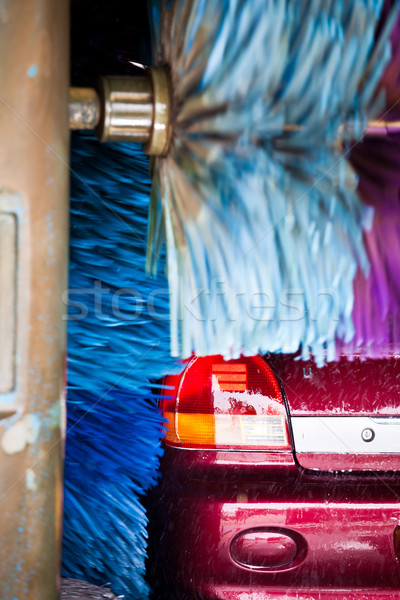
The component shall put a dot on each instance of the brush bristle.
(118, 322)
(263, 226)
(118, 341)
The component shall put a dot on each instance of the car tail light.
(225, 404)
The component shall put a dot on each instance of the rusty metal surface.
(84, 108)
(8, 270)
(34, 75)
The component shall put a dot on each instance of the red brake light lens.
(234, 404)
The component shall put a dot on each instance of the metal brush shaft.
(376, 127)
(84, 108)
(382, 128)
(137, 109)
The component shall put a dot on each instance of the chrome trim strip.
(343, 435)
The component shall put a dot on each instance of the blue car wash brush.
(248, 112)
(118, 332)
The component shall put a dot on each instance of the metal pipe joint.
(126, 109)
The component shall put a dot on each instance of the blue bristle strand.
(124, 337)
(255, 215)
(112, 455)
(113, 425)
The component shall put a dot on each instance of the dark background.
(105, 36)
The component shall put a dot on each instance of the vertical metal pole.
(34, 143)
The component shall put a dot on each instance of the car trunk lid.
(345, 415)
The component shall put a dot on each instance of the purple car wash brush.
(377, 296)
(376, 160)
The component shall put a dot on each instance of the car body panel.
(331, 407)
(331, 514)
(347, 525)
(356, 387)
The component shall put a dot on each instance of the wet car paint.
(345, 522)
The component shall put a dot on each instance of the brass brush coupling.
(126, 109)
(138, 109)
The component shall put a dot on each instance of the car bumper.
(344, 526)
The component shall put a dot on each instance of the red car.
(280, 481)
